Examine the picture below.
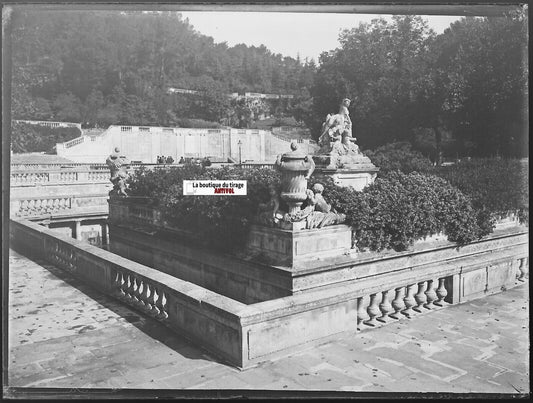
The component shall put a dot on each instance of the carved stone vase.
(294, 168)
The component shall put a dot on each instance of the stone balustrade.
(402, 302)
(246, 334)
(38, 206)
(197, 313)
(58, 205)
(57, 177)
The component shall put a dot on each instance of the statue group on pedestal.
(336, 140)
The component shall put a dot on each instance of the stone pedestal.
(285, 247)
(357, 178)
(356, 172)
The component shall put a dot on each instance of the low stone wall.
(204, 316)
(139, 232)
(243, 281)
(245, 335)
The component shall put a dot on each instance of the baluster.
(385, 307)
(129, 288)
(441, 293)
(431, 294)
(161, 302)
(362, 314)
(31, 205)
(145, 296)
(152, 300)
(124, 286)
(410, 301)
(70, 260)
(373, 310)
(397, 303)
(136, 291)
(522, 270)
(158, 304)
(118, 283)
(61, 255)
(420, 297)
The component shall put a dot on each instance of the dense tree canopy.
(463, 92)
(467, 85)
(115, 67)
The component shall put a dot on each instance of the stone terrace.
(64, 334)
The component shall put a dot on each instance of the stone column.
(105, 233)
(78, 230)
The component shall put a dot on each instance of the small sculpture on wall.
(269, 212)
(316, 212)
(118, 165)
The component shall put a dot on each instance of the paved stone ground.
(63, 334)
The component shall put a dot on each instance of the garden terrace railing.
(59, 166)
(185, 307)
(62, 205)
(57, 177)
(245, 335)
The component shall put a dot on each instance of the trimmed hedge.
(400, 208)
(497, 186)
(222, 221)
(392, 213)
(399, 157)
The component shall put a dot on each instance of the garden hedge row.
(392, 213)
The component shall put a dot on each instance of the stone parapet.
(245, 335)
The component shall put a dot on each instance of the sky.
(308, 34)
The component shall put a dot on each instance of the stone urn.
(296, 168)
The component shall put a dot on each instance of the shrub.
(198, 123)
(496, 186)
(222, 222)
(400, 208)
(399, 157)
(392, 213)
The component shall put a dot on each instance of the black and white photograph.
(280, 200)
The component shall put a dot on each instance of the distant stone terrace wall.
(145, 143)
(244, 335)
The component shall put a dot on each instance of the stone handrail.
(54, 177)
(168, 299)
(38, 206)
(58, 166)
(74, 142)
(247, 334)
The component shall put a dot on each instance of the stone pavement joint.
(64, 334)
